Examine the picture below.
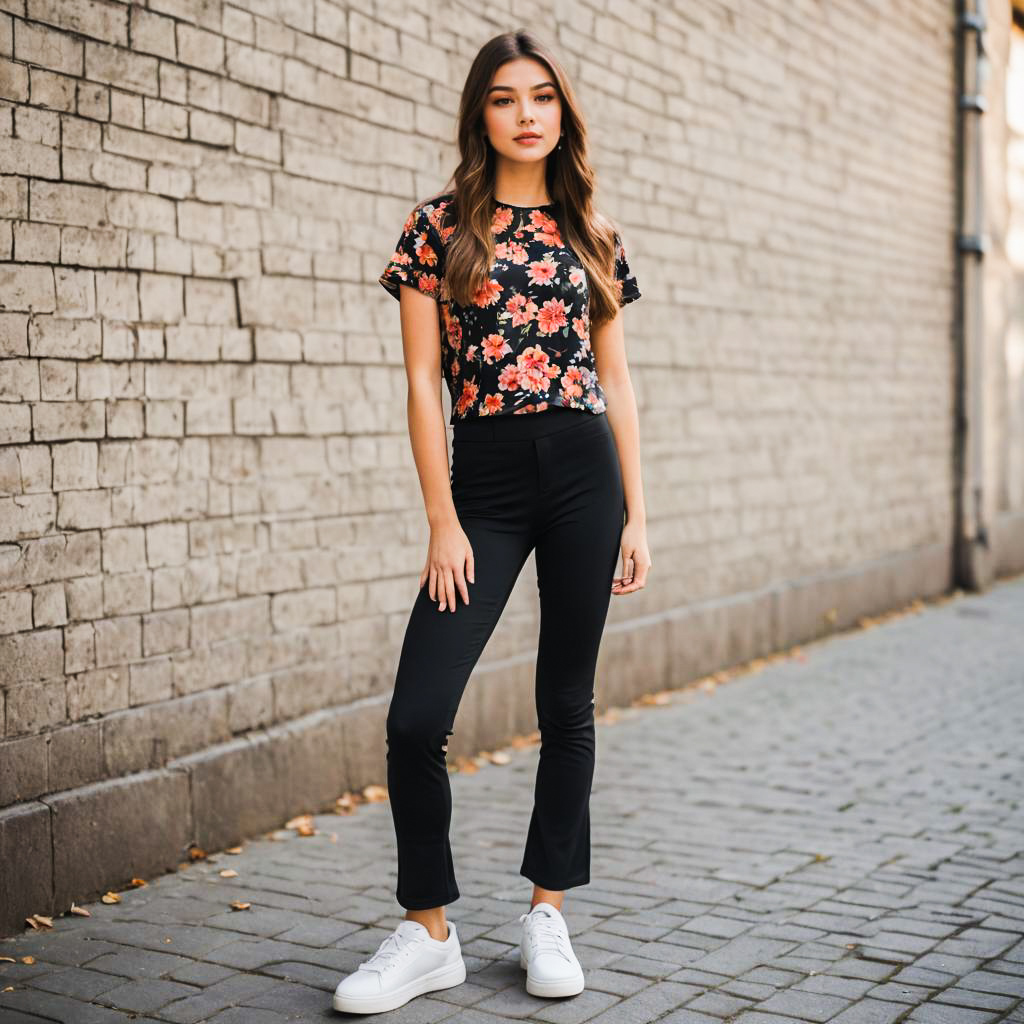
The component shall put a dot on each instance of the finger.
(449, 585)
(460, 585)
(470, 568)
(432, 590)
(442, 590)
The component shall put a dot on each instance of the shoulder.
(434, 215)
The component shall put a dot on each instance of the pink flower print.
(572, 382)
(552, 316)
(535, 369)
(545, 228)
(491, 404)
(542, 271)
(489, 294)
(501, 220)
(523, 310)
(467, 398)
(579, 325)
(425, 253)
(508, 379)
(577, 276)
(495, 346)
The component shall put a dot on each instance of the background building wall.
(211, 528)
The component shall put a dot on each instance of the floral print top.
(524, 342)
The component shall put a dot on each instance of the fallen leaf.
(9, 959)
(233, 849)
(196, 853)
(28, 959)
(138, 883)
(239, 905)
(501, 757)
(228, 873)
(40, 920)
(375, 794)
(110, 897)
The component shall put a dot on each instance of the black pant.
(548, 480)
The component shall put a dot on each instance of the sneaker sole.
(440, 978)
(560, 987)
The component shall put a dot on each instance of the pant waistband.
(520, 426)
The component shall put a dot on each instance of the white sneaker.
(407, 963)
(546, 954)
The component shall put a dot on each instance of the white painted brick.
(213, 129)
(66, 204)
(60, 421)
(94, 381)
(152, 33)
(173, 83)
(19, 380)
(15, 611)
(53, 336)
(79, 647)
(54, 91)
(117, 294)
(165, 118)
(93, 247)
(201, 49)
(13, 81)
(125, 419)
(75, 465)
(36, 243)
(117, 66)
(83, 510)
(26, 515)
(58, 380)
(27, 288)
(93, 101)
(161, 298)
(48, 605)
(49, 48)
(76, 292)
(210, 302)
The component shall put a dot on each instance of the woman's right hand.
(449, 564)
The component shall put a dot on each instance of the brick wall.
(210, 524)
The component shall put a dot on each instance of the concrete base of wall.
(77, 844)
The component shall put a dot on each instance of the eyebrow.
(508, 88)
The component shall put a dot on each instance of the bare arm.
(608, 342)
(450, 556)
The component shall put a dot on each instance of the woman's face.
(523, 98)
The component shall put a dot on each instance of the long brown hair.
(570, 182)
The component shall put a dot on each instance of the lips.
(528, 135)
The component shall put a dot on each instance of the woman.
(510, 285)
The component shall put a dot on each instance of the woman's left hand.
(636, 559)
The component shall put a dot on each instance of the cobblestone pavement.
(835, 838)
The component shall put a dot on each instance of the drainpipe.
(973, 567)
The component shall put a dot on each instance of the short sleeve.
(627, 286)
(418, 259)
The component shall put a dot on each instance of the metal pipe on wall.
(973, 556)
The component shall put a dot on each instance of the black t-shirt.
(524, 342)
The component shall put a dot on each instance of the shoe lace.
(547, 935)
(389, 952)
